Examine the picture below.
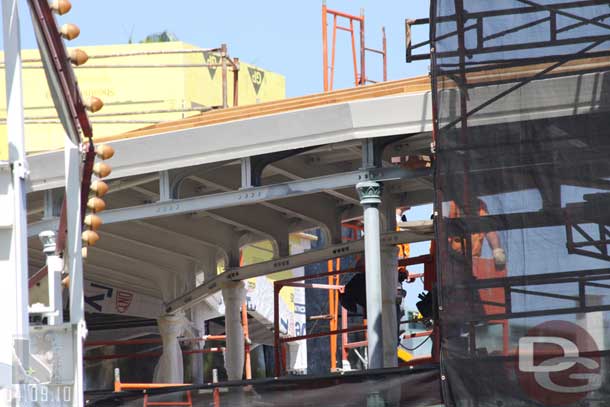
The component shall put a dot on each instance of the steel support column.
(74, 262)
(389, 284)
(15, 299)
(370, 198)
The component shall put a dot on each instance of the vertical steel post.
(325, 45)
(73, 257)
(332, 60)
(17, 275)
(276, 328)
(357, 79)
(344, 341)
(385, 54)
(389, 285)
(362, 50)
(236, 82)
(223, 62)
(370, 198)
(7, 267)
(332, 306)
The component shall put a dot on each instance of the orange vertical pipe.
(244, 324)
(385, 55)
(331, 311)
(325, 46)
(332, 61)
(362, 50)
(351, 26)
(216, 397)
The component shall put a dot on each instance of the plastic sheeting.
(169, 369)
(522, 96)
(234, 296)
(400, 387)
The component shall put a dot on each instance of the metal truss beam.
(316, 213)
(256, 219)
(246, 196)
(199, 293)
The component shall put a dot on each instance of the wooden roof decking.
(403, 86)
(411, 85)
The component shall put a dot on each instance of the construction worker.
(353, 297)
(404, 250)
(458, 245)
(462, 302)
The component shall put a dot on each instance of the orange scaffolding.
(119, 387)
(360, 77)
(279, 341)
(334, 288)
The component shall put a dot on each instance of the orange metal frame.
(118, 387)
(279, 342)
(149, 341)
(360, 78)
(334, 288)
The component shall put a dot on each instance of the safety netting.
(398, 387)
(521, 93)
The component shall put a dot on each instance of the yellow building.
(140, 85)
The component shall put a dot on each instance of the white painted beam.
(285, 263)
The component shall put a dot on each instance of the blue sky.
(282, 36)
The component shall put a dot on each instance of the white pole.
(389, 285)
(55, 266)
(74, 262)
(17, 160)
(370, 198)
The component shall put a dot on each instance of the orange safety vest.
(404, 250)
(476, 238)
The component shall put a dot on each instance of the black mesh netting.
(408, 387)
(522, 90)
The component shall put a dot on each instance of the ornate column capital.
(369, 192)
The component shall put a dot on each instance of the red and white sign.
(107, 299)
(123, 301)
(559, 363)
